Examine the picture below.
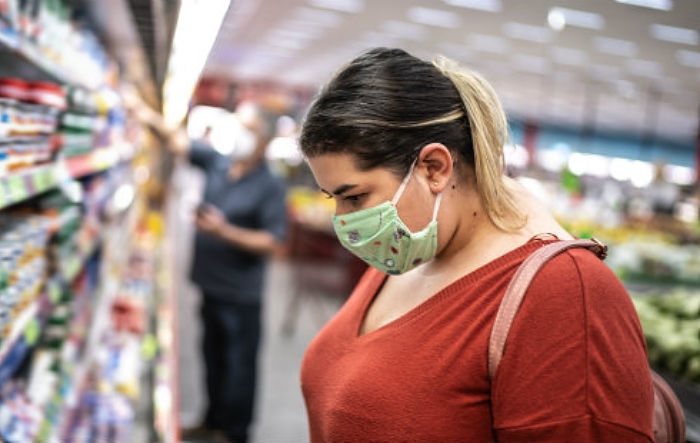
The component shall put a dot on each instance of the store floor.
(280, 415)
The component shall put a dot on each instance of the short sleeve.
(203, 155)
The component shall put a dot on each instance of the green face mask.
(379, 237)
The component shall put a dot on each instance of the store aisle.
(280, 416)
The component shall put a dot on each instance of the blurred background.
(99, 322)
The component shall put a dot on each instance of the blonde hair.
(489, 131)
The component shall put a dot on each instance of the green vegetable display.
(671, 324)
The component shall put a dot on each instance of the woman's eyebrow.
(340, 190)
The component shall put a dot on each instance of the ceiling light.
(434, 17)
(675, 35)
(290, 31)
(603, 72)
(287, 43)
(569, 56)
(372, 39)
(455, 51)
(481, 5)
(574, 17)
(198, 24)
(353, 6)
(531, 63)
(407, 30)
(615, 46)
(318, 17)
(489, 43)
(556, 19)
(646, 68)
(662, 5)
(690, 59)
(522, 31)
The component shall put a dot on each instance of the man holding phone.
(240, 224)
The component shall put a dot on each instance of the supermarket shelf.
(26, 184)
(24, 60)
(22, 334)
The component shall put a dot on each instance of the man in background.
(240, 224)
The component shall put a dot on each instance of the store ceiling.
(612, 75)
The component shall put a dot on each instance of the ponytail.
(489, 131)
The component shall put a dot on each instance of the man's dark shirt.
(256, 201)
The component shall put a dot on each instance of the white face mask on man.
(232, 138)
(244, 142)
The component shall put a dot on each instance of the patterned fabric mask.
(379, 237)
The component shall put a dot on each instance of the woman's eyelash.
(353, 197)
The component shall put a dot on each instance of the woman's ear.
(436, 163)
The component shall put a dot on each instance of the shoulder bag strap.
(518, 286)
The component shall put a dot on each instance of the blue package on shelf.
(12, 359)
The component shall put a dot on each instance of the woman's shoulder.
(580, 276)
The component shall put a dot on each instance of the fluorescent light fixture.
(569, 56)
(458, 52)
(480, 5)
(641, 173)
(573, 17)
(614, 46)
(620, 168)
(675, 35)
(516, 156)
(590, 164)
(373, 38)
(287, 43)
(532, 63)
(197, 26)
(661, 5)
(626, 89)
(556, 19)
(318, 17)
(605, 72)
(522, 31)
(413, 31)
(488, 43)
(296, 31)
(681, 175)
(645, 68)
(434, 17)
(353, 6)
(687, 58)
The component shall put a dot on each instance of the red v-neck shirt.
(575, 368)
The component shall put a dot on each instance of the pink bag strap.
(518, 286)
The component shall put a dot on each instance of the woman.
(412, 154)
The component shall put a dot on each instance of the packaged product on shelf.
(8, 15)
(29, 116)
(6, 109)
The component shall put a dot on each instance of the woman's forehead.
(333, 170)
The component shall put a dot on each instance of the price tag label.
(32, 332)
(43, 180)
(18, 188)
(55, 291)
(4, 193)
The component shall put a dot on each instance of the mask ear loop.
(436, 208)
(399, 192)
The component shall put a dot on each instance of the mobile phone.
(202, 207)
